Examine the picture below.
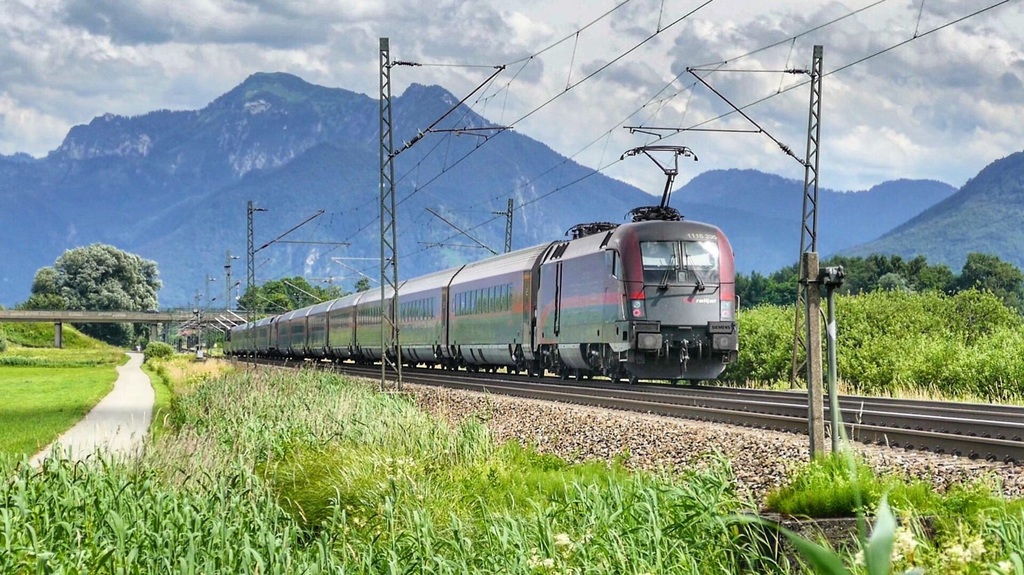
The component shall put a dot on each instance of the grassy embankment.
(46, 391)
(274, 472)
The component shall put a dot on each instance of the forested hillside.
(173, 187)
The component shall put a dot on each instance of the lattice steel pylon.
(809, 224)
(508, 225)
(250, 269)
(390, 346)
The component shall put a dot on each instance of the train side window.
(611, 260)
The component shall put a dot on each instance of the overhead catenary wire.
(698, 126)
(549, 101)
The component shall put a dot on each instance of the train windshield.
(680, 263)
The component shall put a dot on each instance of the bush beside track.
(969, 345)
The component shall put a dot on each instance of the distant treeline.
(982, 272)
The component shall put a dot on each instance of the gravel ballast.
(761, 459)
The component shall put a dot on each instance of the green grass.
(162, 399)
(42, 402)
(45, 390)
(285, 473)
(278, 472)
(41, 335)
(938, 530)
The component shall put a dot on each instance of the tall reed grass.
(284, 473)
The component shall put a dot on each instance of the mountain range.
(173, 186)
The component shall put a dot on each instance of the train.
(652, 299)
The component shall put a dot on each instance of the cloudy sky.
(943, 102)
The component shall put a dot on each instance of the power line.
(694, 127)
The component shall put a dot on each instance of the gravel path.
(118, 423)
(760, 458)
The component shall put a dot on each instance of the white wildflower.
(563, 540)
(904, 544)
(1003, 568)
(858, 558)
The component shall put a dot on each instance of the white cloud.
(24, 127)
(942, 106)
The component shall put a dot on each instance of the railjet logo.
(692, 299)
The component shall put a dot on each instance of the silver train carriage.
(646, 300)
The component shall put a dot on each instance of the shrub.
(3, 343)
(836, 485)
(969, 345)
(157, 350)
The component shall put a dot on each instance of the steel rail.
(911, 425)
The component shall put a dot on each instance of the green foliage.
(396, 486)
(763, 357)
(44, 301)
(157, 350)
(362, 285)
(3, 342)
(965, 345)
(828, 486)
(46, 393)
(892, 273)
(82, 357)
(988, 272)
(41, 335)
(872, 273)
(969, 526)
(98, 277)
(286, 294)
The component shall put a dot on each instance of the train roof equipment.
(663, 211)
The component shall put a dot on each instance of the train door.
(557, 314)
(445, 322)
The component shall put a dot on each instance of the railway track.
(989, 432)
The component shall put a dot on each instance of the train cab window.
(680, 263)
(611, 262)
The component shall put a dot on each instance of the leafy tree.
(863, 275)
(987, 272)
(282, 295)
(894, 281)
(362, 285)
(48, 301)
(923, 277)
(98, 278)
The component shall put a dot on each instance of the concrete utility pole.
(815, 406)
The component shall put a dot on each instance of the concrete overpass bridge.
(190, 320)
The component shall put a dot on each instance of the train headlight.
(724, 342)
(648, 341)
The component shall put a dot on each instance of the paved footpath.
(118, 423)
